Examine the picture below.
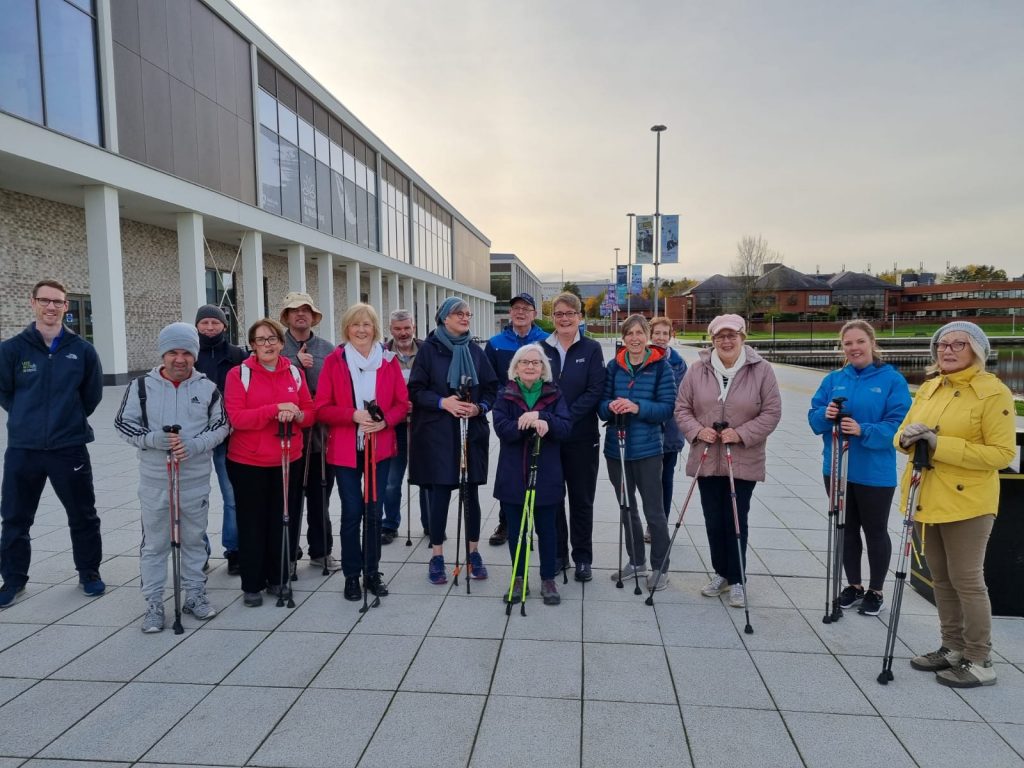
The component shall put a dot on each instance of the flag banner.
(609, 298)
(670, 239)
(620, 284)
(636, 282)
(644, 239)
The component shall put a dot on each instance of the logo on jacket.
(581, 359)
(194, 400)
(876, 390)
(71, 356)
(27, 366)
(291, 389)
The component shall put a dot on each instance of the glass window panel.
(268, 110)
(307, 179)
(360, 174)
(350, 210)
(364, 237)
(371, 180)
(85, 5)
(323, 197)
(337, 158)
(270, 172)
(306, 143)
(371, 220)
(323, 147)
(69, 67)
(290, 180)
(287, 124)
(350, 166)
(338, 205)
(21, 91)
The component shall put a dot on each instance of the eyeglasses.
(463, 315)
(265, 341)
(56, 303)
(521, 308)
(956, 346)
(726, 337)
(569, 314)
(531, 362)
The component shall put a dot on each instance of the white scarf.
(724, 375)
(364, 377)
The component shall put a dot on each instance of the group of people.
(283, 424)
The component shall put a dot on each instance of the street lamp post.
(657, 129)
(615, 282)
(629, 264)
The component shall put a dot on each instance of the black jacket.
(581, 382)
(215, 360)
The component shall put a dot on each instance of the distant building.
(974, 299)
(510, 277)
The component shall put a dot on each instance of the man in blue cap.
(522, 312)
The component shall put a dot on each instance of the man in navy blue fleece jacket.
(50, 382)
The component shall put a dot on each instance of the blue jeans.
(350, 489)
(229, 528)
(547, 535)
(392, 519)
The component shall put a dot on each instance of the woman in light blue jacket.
(877, 399)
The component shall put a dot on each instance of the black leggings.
(867, 510)
(440, 497)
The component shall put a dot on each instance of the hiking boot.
(968, 674)
(333, 566)
(583, 572)
(10, 595)
(375, 585)
(436, 572)
(850, 596)
(500, 535)
(252, 599)
(628, 570)
(737, 596)
(234, 567)
(517, 591)
(387, 535)
(153, 621)
(477, 569)
(91, 583)
(199, 606)
(352, 591)
(936, 661)
(716, 586)
(549, 592)
(660, 578)
(871, 604)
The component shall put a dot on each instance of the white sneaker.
(199, 606)
(153, 621)
(737, 597)
(660, 578)
(628, 570)
(333, 566)
(716, 586)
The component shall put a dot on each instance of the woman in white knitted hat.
(966, 414)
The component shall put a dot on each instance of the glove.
(158, 440)
(915, 430)
(932, 439)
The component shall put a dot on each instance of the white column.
(393, 301)
(252, 278)
(191, 264)
(297, 268)
(105, 49)
(432, 304)
(106, 281)
(352, 282)
(408, 300)
(376, 292)
(422, 318)
(325, 295)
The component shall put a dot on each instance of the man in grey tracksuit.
(173, 393)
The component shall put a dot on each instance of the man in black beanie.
(216, 357)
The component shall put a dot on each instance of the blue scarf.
(462, 361)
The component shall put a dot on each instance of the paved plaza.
(434, 677)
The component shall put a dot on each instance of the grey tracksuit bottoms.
(156, 538)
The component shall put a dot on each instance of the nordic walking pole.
(836, 515)
(370, 498)
(920, 464)
(719, 426)
(464, 395)
(408, 519)
(679, 522)
(325, 520)
(528, 503)
(625, 518)
(529, 549)
(174, 507)
(284, 433)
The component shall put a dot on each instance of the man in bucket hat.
(304, 348)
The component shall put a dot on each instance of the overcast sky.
(846, 134)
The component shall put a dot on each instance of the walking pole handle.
(172, 428)
(374, 409)
(838, 403)
(718, 426)
(921, 459)
(620, 421)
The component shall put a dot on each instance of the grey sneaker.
(737, 596)
(153, 621)
(936, 661)
(629, 569)
(199, 606)
(716, 586)
(660, 578)
(549, 592)
(332, 564)
(967, 674)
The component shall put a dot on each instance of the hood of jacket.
(656, 354)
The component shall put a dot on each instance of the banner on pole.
(636, 281)
(620, 284)
(670, 239)
(609, 298)
(644, 239)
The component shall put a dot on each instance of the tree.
(973, 273)
(752, 253)
(571, 287)
(893, 275)
(592, 306)
(545, 308)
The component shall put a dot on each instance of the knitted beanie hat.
(211, 310)
(178, 336)
(970, 329)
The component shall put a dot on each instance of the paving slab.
(720, 677)
(15, 633)
(401, 615)
(939, 744)
(13, 686)
(539, 668)
(810, 682)
(700, 625)
(712, 735)
(121, 657)
(452, 665)
(825, 739)
(544, 622)
(115, 608)
(203, 657)
(623, 672)
(376, 662)
(42, 713)
(612, 739)
(620, 622)
(319, 612)
(44, 763)
(1014, 736)
(479, 617)
(46, 606)
(286, 660)
(499, 741)
(776, 629)
(1002, 702)
(50, 649)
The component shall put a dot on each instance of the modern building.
(159, 155)
(988, 298)
(510, 277)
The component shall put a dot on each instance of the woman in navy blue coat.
(531, 405)
(447, 362)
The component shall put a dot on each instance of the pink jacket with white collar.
(335, 406)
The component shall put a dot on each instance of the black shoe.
(426, 533)
(850, 596)
(298, 553)
(375, 585)
(387, 536)
(234, 567)
(871, 604)
(499, 537)
(583, 572)
(352, 591)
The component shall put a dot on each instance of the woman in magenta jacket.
(361, 396)
(266, 390)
